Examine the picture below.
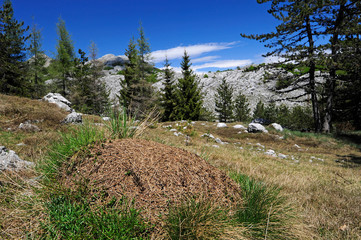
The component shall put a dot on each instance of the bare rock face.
(59, 100)
(9, 160)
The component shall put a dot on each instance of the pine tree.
(37, 70)
(131, 75)
(12, 52)
(167, 97)
(259, 112)
(271, 112)
(64, 59)
(241, 108)
(294, 40)
(188, 93)
(224, 102)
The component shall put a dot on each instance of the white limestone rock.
(271, 152)
(29, 127)
(239, 126)
(73, 117)
(59, 100)
(256, 127)
(221, 125)
(277, 126)
(9, 160)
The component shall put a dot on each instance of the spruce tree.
(64, 59)
(12, 52)
(224, 102)
(37, 70)
(188, 93)
(241, 108)
(259, 111)
(167, 97)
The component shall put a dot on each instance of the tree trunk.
(312, 82)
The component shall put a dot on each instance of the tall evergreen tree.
(131, 75)
(241, 108)
(224, 101)
(259, 111)
(12, 52)
(167, 97)
(188, 93)
(294, 40)
(65, 57)
(37, 62)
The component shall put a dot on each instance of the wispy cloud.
(204, 59)
(223, 64)
(192, 50)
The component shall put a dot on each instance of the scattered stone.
(271, 153)
(311, 161)
(193, 123)
(9, 160)
(29, 127)
(203, 124)
(297, 146)
(282, 156)
(277, 126)
(173, 130)
(208, 135)
(215, 146)
(241, 148)
(73, 117)
(106, 118)
(167, 126)
(256, 127)
(59, 100)
(260, 145)
(221, 125)
(239, 126)
(21, 144)
(177, 134)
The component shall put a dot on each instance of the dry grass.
(326, 194)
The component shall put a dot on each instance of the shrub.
(205, 76)
(108, 68)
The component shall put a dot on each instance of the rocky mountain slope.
(255, 85)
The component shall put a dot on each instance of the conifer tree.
(167, 97)
(271, 112)
(224, 102)
(188, 93)
(37, 70)
(12, 52)
(64, 59)
(294, 40)
(259, 111)
(241, 108)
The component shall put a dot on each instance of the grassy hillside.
(312, 191)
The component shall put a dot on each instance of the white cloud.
(204, 59)
(192, 50)
(223, 64)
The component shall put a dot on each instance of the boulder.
(221, 125)
(29, 127)
(59, 100)
(73, 117)
(271, 153)
(9, 160)
(239, 126)
(277, 126)
(256, 127)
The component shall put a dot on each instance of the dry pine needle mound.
(153, 174)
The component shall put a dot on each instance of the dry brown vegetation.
(325, 195)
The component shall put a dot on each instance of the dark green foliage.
(301, 118)
(271, 112)
(205, 76)
(224, 102)
(283, 117)
(188, 93)
(64, 62)
(37, 71)
(89, 94)
(259, 112)
(167, 98)
(69, 219)
(12, 52)
(241, 108)
(136, 94)
(254, 68)
(263, 211)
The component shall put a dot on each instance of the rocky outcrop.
(59, 100)
(256, 127)
(73, 117)
(9, 160)
(112, 60)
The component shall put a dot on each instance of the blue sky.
(208, 30)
